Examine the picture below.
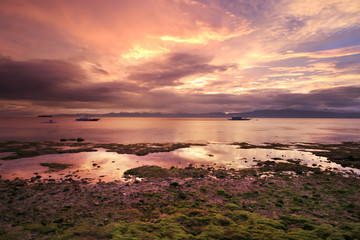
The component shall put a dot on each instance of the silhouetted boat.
(87, 119)
(239, 118)
(50, 121)
(45, 116)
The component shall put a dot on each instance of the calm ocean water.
(135, 130)
(216, 132)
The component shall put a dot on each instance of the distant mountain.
(284, 113)
(291, 113)
(145, 114)
(149, 114)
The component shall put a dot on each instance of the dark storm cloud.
(333, 97)
(51, 80)
(339, 98)
(59, 84)
(168, 71)
(36, 80)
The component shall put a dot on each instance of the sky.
(170, 56)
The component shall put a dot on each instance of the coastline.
(281, 200)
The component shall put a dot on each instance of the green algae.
(245, 145)
(347, 154)
(55, 167)
(210, 225)
(242, 205)
(159, 172)
(187, 203)
(142, 149)
(33, 149)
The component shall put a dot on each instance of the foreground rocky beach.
(272, 200)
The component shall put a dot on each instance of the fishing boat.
(50, 121)
(87, 119)
(239, 118)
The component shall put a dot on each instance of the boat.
(45, 116)
(50, 121)
(239, 118)
(87, 119)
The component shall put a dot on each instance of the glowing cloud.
(178, 55)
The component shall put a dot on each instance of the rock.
(174, 184)
(181, 195)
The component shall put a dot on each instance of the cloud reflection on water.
(110, 166)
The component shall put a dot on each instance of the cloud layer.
(178, 55)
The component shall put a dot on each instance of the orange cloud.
(128, 48)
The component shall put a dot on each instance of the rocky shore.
(272, 201)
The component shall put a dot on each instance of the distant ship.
(239, 118)
(45, 116)
(87, 119)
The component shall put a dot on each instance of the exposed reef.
(347, 154)
(55, 167)
(17, 149)
(272, 201)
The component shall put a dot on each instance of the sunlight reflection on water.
(109, 166)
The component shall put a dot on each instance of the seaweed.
(55, 167)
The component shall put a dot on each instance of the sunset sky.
(193, 56)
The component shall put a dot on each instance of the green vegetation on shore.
(55, 167)
(273, 201)
(347, 154)
(32, 149)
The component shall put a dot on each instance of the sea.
(153, 130)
